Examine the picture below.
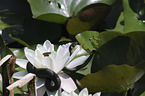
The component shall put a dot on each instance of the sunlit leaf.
(93, 40)
(60, 11)
(143, 94)
(120, 24)
(85, 39)
(131, 20)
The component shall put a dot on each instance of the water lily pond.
(72, 48)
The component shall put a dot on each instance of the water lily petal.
(60, 63)
(77, 61)
(53, 55)
(76, 50)
(48, 63)
(97, 94)
(60, 60)
(19, 75)
(41, 48)
(73, 94)
(41, 91)
(30, 54)
(62, 50)
(48, 46)
(64, 93)
(22, 63)
(40, 82)
(57, 93)
(81, 52)
(39, 59)
(67, 83)
(84, 92)
(61, 57)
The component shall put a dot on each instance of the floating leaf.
(60, 11)
(112, 52)
(89, 18)
(120, 24)
(75, 26)
(93, 40)
(143, 94)
(85, 39)
(131, 20)
(113, 78)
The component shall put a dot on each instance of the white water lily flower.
(84, 92)
(56, 61)
(0, 32)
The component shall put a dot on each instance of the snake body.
(52, 80)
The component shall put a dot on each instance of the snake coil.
(52, 80)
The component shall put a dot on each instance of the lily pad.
(90, 18)
(75, 26)
(85, 39)
(131, 20)
(60, 10)
(112, 52)
(113, 78)
(93, 40)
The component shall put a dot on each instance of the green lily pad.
(143, 94)
(85, 39)
(113, 78)
(120, 24)
(60, 10)
(112, 52)
(131, 20)
(90, 18)
(93, 40)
